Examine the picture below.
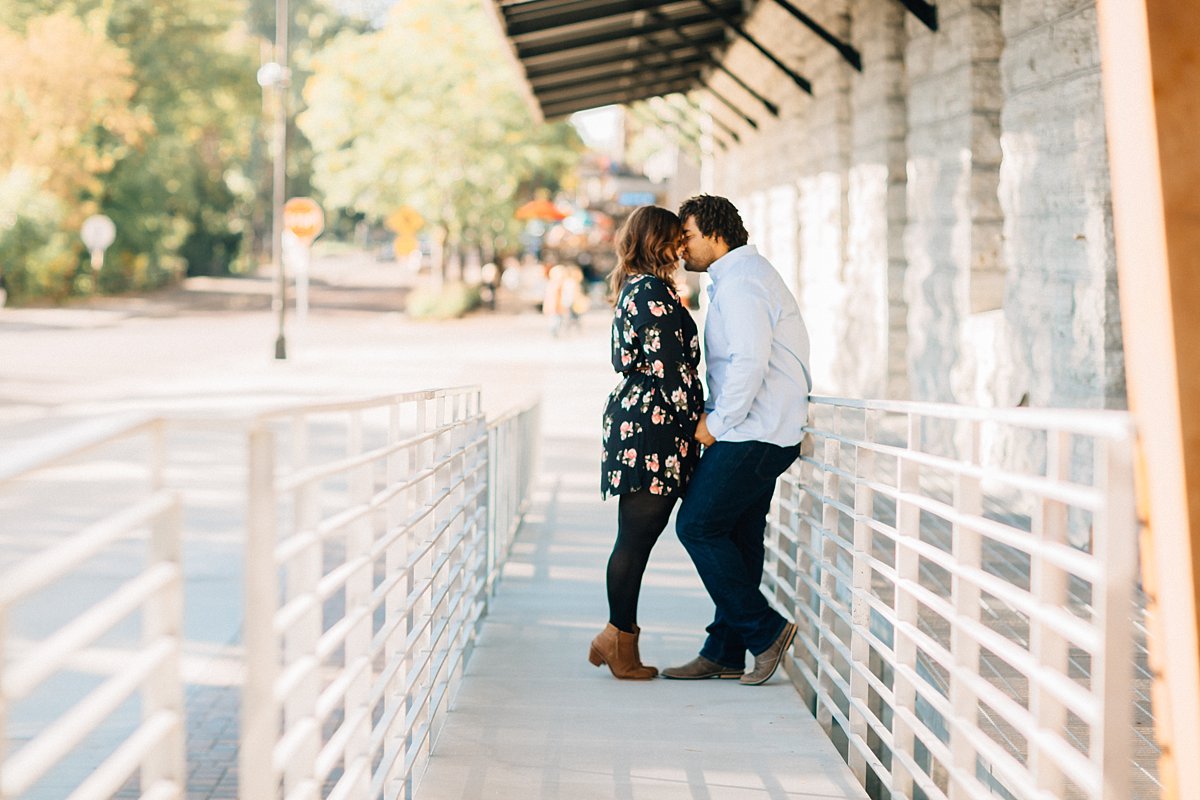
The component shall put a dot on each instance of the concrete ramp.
(533, 719)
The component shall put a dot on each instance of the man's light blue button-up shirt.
(757, 351)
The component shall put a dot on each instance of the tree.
(427, 112)
(65, 121)
(64, 103)
(180, 192)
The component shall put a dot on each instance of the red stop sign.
(304, 218)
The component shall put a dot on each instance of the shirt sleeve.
(749, 329)
(653, 313)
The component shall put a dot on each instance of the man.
(757, 351)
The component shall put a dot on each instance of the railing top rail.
(512, 413)
(54, 448)
(333, 406)
(1102, 423)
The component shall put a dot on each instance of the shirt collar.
(724, 265)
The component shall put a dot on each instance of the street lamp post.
(277, 76)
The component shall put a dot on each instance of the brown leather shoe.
(619, 650)
(768, 660)
(700, 668)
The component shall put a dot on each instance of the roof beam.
(682, 138)
(613, 34)
(771, 108)
(665, 72)
(569, 105)
(551, 66)
(598, 75)
(559, 15)
(633, 84)
(734, 26)
(680, 115)
(926, 12)
(720, 123)
(745, 118)
(848, 52)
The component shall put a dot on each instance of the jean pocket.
(775, 461)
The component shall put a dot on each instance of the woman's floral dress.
(651, 417)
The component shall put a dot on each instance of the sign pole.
(302, 264)
(280, 176)
(304, 221)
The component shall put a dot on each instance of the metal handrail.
(154, 749)
(395, 512)
(415, 520)
(919, 632)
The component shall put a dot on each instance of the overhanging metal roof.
(580, 54)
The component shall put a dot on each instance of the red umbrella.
(540, 209)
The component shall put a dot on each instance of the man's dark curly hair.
(715, 216)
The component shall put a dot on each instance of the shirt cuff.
(717, 427)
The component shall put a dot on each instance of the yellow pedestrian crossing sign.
(404, 220)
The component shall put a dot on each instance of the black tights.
(641, 518)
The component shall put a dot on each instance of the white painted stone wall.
(1060, 309)
(944, 216)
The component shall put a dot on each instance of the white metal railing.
(375, 532)
(963, 581)
(367, 571)
(512, 456)
(36, 664)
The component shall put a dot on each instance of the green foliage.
(449, 302)
(37, 257)
(427, 112)
(165, 154)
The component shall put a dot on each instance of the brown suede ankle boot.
(619, 650)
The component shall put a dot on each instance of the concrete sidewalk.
(534, 719)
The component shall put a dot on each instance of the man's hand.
(702, 435)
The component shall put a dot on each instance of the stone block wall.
(943, 215)
(1061, 297)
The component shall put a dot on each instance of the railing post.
(904, 694)
(163, 691)
(967, 547)
(302, 574)
(358, 597)
(493, 498)
(1115, 542)
(257, 776)
(828, 556)
(860, 609)
(1048, 584)
(3, 697)
(164, 618)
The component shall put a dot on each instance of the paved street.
(209, 349)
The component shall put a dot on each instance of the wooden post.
(1150, 54)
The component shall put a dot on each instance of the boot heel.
(595, 657)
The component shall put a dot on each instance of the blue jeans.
(721, 524)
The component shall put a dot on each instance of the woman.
(649, 422)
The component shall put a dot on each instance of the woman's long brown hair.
(647, 244)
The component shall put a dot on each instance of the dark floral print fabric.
(651, 416)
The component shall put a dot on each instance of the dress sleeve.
(654, 315)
